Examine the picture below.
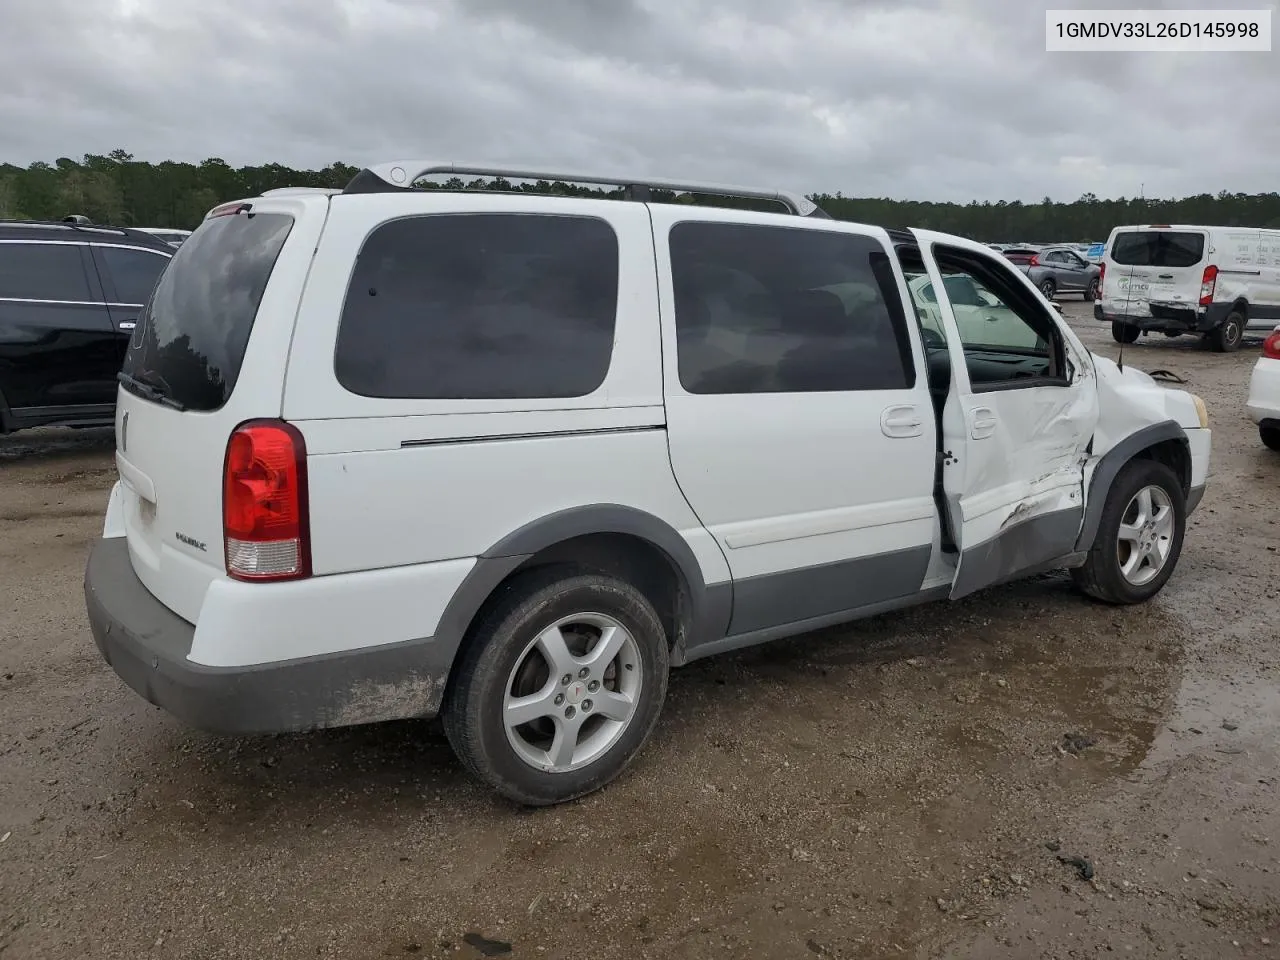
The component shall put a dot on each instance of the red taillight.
(1207, 283)
(264, 503)
(1271, 345)
(1034, 261)
(1102, 275)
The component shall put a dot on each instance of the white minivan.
(507, 457)
(1214, 281)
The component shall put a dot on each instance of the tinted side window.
(133, 272)
(43, 271)
(763, 309)
(480, 306)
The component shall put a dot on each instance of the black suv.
(70, 294)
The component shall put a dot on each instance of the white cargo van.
(1216, 281)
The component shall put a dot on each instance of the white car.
(508, 457)
(1264, 391)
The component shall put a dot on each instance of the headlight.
(1201, 411)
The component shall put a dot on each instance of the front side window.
(1007, 337)
(480, 306)
(764, 309)
(43, 271)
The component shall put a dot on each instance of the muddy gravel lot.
(1022, 774)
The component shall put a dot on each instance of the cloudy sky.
(913, 99)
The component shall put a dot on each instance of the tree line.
(118, 189)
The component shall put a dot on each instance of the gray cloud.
(920, 99)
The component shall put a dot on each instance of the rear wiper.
(149, 391)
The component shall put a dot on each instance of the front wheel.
(1124, 332)
(1270, 437)
(559, 687)
(1228, 334)
(1139, 537)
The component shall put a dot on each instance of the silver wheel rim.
(572, 693)
(1047, 290)
(1146, 535)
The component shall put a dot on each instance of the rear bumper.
(148, 646)
(1168, 318)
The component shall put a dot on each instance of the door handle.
(983, 423)
(128, 324)
(902, 420)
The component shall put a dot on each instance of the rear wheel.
(1124, 332)
(1139, 536)
(1048, 288)
(1091, 292)
(1228, 334)
(561, 687)
(1270, 437)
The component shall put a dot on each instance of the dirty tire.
(473, 711)
(1270, 437)
(1100, 576)
(1091, 292)
(1227, 336)
(1124, 332)
(1048, 288)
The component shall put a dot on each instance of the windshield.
(190, 340)
(1158, 248)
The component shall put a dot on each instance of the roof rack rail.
(65, 224)
(299, 191)
(399, 175)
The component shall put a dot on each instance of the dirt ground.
(902, 788)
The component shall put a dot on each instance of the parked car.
(169, 235)
(1059, 270)
(1264, 391)
(394, 452)
(70, 295)
(1214, 281)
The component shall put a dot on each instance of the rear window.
(480, 306)
(191, 338)
(1158, 248)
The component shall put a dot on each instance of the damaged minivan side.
(509, 457)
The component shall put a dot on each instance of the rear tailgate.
(209, 352)
(1154, 265)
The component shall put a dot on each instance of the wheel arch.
(1165, 442)
(605, 538)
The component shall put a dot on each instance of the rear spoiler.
(239, 206)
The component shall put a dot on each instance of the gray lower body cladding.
(147, 645)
